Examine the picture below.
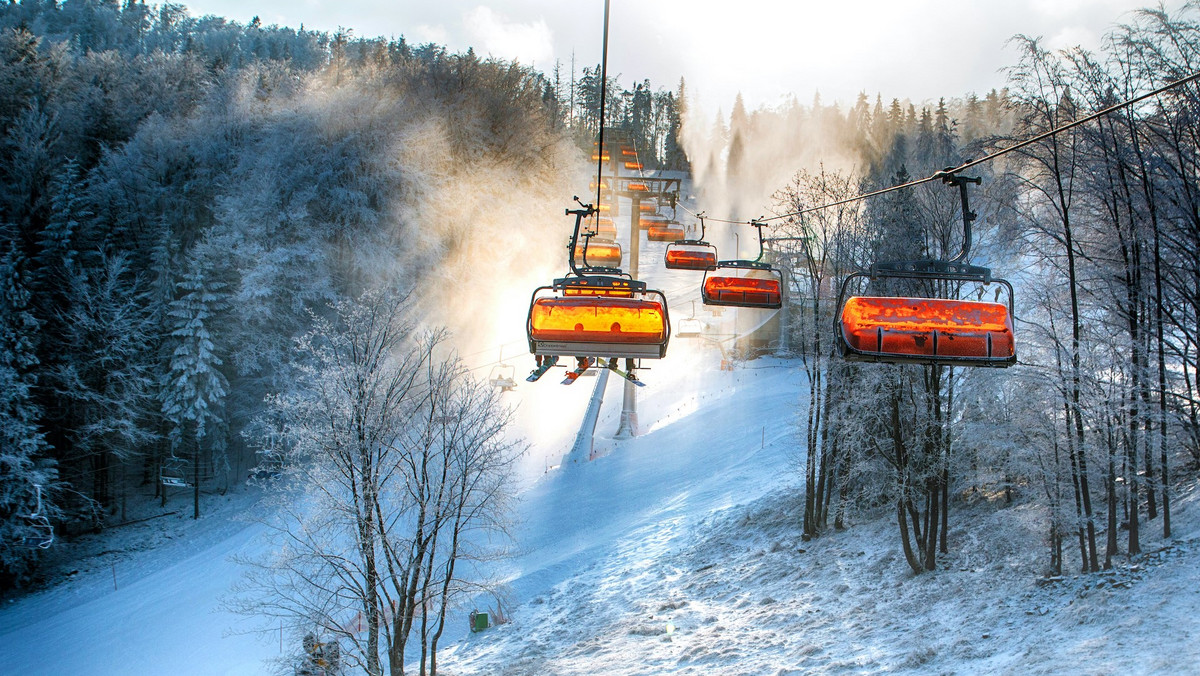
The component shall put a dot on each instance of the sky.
(768, 50)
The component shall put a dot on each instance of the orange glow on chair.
(647, 206)
(928, 327)
(585, 320)
(665, 233)
(699, 258)
(605, 229)
(600, 253)
(633, 165)
(742, 292)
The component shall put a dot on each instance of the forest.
(197, 213)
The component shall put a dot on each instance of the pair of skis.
(587, 363)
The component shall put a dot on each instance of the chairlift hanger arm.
(700, 240)
(579, 214)
(949, 177)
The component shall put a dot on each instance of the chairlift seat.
(752, 292)
(598, 326)
(927, 331)
(173, 472)
(665, 233)
(607, 254)
(41, 534)
(605, 229)
(683, 255)
(501, 377)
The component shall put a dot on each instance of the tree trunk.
(1110, 549)
(902, 519)
(931, 533)
(1076, 485)
(1135, 546)
(1162, 379)
(196, 481)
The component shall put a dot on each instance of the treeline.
(183, 196)
(1096, 227)
(652, 118)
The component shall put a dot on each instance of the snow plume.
(492, 231)
(738, 166)
(449, 182)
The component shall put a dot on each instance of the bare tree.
(818, 248)
(395, 475)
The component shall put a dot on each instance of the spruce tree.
(21, 441)
(195, 388)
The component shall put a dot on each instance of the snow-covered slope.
(132, 610)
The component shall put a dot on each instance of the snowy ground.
(679, 552)
(674, 552)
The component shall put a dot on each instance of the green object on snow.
(479, 621)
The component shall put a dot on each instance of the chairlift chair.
(597, 312)
(668, 232)
(918, 330)
(502, 375)
(650, 220)
(598, 253)
(690, 327)
(173, 472)
(691, 254)
(39, 532)
(744, 283)
(605, 229)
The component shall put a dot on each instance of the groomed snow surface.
(675, 552)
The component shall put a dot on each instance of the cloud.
(424, 33)
(495, 35)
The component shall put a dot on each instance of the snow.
(677, 551)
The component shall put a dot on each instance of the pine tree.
(21, 442)
(68, 211)
(195, 388)
(106, 333)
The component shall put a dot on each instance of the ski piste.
(540, 371)
(612, 366)
(572, 376)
